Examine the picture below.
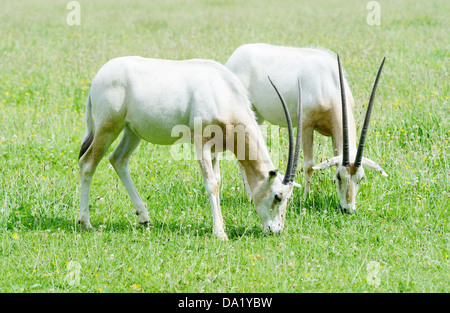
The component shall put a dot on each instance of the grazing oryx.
(148, 98)
(325, 93)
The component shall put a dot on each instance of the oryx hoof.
(85, 225)
(145, 223)
(221, 235)
(144, 219)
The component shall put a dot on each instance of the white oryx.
(324, 106)
(148, 98)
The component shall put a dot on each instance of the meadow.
(398, 240)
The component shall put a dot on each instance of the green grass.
(402, 221)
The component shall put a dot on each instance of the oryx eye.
(278, 197)
(338, 176)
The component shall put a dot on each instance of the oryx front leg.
(245, 182)
(210, 169)
(119, 160)
(308, 157)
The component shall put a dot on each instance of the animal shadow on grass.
(234, 232)
(43, 223)
(163, 228)
(314, 203)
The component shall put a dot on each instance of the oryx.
(147, 98)
(325, 94)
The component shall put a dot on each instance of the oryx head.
(349, 175)
(272, 195)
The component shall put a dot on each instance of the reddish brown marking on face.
(350, 193)
(351, 169)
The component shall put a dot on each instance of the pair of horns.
(362, 139)
(293, 156)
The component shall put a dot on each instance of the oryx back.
(153, 96)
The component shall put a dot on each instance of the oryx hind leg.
(216, 169)
(88, 162)
(119, 159)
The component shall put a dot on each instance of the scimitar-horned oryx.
(148, 98)
(325, 94)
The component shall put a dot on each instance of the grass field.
(402, 223)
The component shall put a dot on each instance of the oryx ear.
(328, 163)
(368, 163)
(273, 174)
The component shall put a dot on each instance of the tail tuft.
(89, 137)
(86, 144)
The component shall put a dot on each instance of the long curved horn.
(287, 175)
(362, 139)
(299, 132)
(345, 152)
